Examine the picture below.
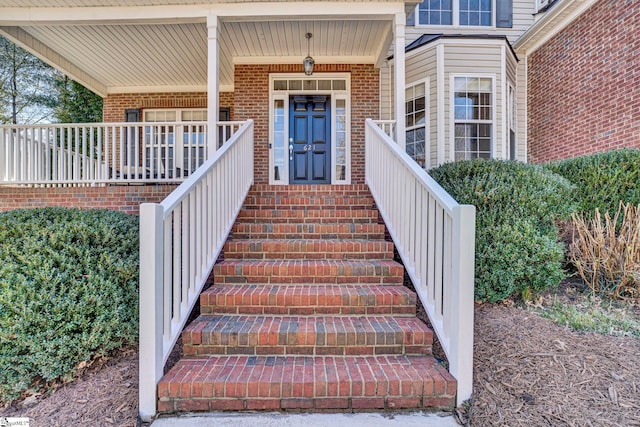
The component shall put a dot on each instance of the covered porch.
(169, 75)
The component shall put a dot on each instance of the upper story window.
(476, 13)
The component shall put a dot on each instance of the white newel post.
(212, 85)
(151, 306)
(399, 78)
(461, 299)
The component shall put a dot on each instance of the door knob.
(290, 151)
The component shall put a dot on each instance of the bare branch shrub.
(606, 251)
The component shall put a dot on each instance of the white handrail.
(180, 240)
(388, 127)
(99, 153)
(435, 237)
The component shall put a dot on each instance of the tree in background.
(26, 86)
(33, 92)
(75, 103)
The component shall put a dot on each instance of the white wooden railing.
(99, 153)
(180, 240)
(388, 127)
(435, 237)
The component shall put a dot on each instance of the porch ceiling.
(149, 57)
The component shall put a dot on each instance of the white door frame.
(278, 139)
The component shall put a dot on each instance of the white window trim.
(456, 18)
(427, 118)
(452, 120)
(334, 95)
(512, 120)
(178, 130)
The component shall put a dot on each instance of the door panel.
(310, 142)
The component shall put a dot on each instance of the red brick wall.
(116, 104)
(584, 91)
(251, 101)
(120, 198)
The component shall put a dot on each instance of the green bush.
(603, 180)
(517, 206)
(68, 291)
(515, 259)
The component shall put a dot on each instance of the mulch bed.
(528, 372)
(105, 395)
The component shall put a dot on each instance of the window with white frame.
(477, 13)
(473, 117)
(175, 150)
(416, 122)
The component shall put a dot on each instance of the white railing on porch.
(99, 153)
(435, 237)
(388, 127)
(180, 240)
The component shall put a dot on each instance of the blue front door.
(310, 140)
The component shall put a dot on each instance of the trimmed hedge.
(68, 291)
(602, 180)
(517, 205)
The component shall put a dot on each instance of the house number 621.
(308, 147)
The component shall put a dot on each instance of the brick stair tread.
(328, 230)
(308, 299)
(308, 271)
(308, 249)
(303, 382)
(320, 335)
(266, 190)
(308, 216)
(328, 201)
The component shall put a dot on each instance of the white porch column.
(399, 77)
(212, 84)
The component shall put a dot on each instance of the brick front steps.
(308, 312)
(321, 382)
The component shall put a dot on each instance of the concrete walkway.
(224, 419)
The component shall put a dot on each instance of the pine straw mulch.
(105, 394)
(528, 372)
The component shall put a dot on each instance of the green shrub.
(603, 180)
(68, 291)
(515, 259)
(517, 206)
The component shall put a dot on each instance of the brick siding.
(251, 101)
(116, 104)
(122, 198)
(584, 95)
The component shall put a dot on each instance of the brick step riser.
(398, 311)
(298, 300)
(301, 350)
(308, 231)
(261, 190)
(286, 280)
(303, 214)
(310, 250)
(309, 383)
(310, 202)
(305, 404)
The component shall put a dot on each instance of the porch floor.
(308, 312)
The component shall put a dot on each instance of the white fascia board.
(102, 15)
(259, 60)
(156, 89)
(316, 9)
(452, 41)
(28, 16)
(557, 18)
(49, 56)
